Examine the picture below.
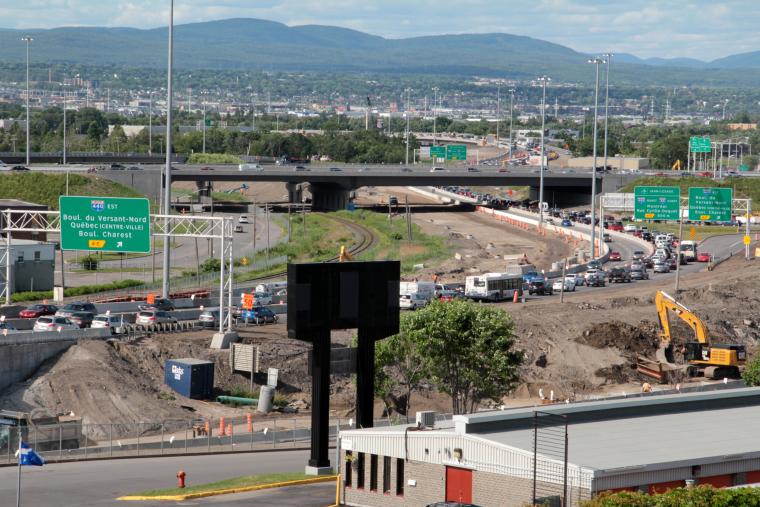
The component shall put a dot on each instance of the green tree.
(399, 371)
(665, 151)
(466, 350)
(751, 161)
(751, 373)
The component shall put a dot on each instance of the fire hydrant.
(181, 479)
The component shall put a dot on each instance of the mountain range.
(260, 44)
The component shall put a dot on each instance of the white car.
(104, 321)
(411, 301)
(568, 283)
(576, 278)
(592, 273)
(262, 298)
(250, 167)
(53, 323)
(630, 228)
(243, 219)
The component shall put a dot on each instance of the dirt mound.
(641, 339)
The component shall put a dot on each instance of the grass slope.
(44, 188)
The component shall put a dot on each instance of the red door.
(458, 485)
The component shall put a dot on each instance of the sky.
(702, 29)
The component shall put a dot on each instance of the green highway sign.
(656, 203)
(105, 224)
(437, 152)
(699, 144)
(710, 204)
(456, 152)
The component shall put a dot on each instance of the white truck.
(424, 289)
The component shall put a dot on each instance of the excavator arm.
(345, 255)
(665, 305)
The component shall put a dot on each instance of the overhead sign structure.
(456, 152)
(700, 144)
(105, 224)
(437, 152)
(657, 203)
(710, 204)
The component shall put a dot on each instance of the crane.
(712, 360)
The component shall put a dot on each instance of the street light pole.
(608, 58)
(64, 126)
(544, 80)
(511, 119)
(27, 39)
(168, 175)
(150, 125)
(596, 62)
(204, 124)
(435, 100)
(498, 118)
(408, 91)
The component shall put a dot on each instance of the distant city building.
(742, 126)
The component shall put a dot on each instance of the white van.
(689, 250)
(250, 167)
(423, 289)
(272, 287)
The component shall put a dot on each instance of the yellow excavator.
(344, 255)
(715, 361)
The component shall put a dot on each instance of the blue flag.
(30, 458)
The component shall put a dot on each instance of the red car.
(615, 256)
(616, 226)
(705, 174)
(703, 257)
(35, 311)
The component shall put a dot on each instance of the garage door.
(458, 485)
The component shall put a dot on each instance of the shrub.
(697, 496)
(89, 262)
(751, 374)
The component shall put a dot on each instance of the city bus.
(493, 286)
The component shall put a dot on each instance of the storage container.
(192, 378)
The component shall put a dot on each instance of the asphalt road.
(99, 483)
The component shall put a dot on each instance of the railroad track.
(365, 240)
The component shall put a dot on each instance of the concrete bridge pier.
(329, 196)
(295, 192)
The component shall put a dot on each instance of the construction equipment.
(240, 189)
(714, 361)
(676, 165)
(345, 255)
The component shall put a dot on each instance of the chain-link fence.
(75, 441)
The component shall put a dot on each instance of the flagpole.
(18, 486)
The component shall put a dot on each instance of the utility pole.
(166, 272)
(498, 117)
(596, 62)
(204, 124)
(28, 40)
(408, 91)
(544, 80)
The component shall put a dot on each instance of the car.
(77, 306)
(595, 280)
(250, 167)
(117, 167)
(704, 257)
(107, 321)
(34, 311)
(569, 285)
(238, 228)
(411, 301)
(567, 223)
(53, 323)
(147, 317)
(503, 170)
(262, 298)
(162, 304)
(209, 318)
(437, 169)
(134, 168)
(615, 226)
(540, 286)
(705, 174)
(243, 219)
(19, 168)
(259, 315)
(473, 170)
(335, 169)
(82, 319)
(594, 265)
(578, 279)
(448, 295)
(615, 256)
(207, 168)
(639, 274)
(618, 275)
(393, 200)
(300, 168)
(451, 504)
(607, 238)
(638, 255)
(661, 266)
(630, 228)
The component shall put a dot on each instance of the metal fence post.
(138, 438)
(294, 432)
(274, 433)
(60, 442)
(110, 440)
(162, 439)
